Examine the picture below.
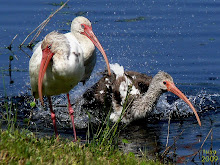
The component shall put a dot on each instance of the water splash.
(202, 101)
(166, 104)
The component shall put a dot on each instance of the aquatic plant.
(8, 114)
(107, 134)
(141, 18)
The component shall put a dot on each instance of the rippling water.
(179, 37)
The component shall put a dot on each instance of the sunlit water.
(179, 37)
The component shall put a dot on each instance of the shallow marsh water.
(179, 37)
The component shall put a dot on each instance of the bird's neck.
(144, 104)
(86, 45)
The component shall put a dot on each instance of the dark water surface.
(179, 37)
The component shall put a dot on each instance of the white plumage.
(61, 61)
(64, 71)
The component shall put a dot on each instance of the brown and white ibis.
(144, 92)
(60, 61)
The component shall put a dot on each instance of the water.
(179, 37)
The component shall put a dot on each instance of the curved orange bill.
(89, 33)
(172, 88)
(46, 57)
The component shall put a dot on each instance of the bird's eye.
(49, 47)
(82, 26)
(164, 82)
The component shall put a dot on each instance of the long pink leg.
(72, 116)
(53, 117)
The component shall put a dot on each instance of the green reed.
(8, 112)
(107, 134)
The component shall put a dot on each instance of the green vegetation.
(13, 70)
(79, 13)
(8, 115)
(58, 4)
(132, 19)
(24, 148)
(211, 39)
(107, 134)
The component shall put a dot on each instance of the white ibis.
(60, 61)
(144, 93)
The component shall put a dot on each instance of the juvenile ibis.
(111, 91)
(61, 61)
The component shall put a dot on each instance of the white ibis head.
(83, 26)
(164, 81)
(52, 43)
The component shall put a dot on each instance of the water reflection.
(9, 69)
